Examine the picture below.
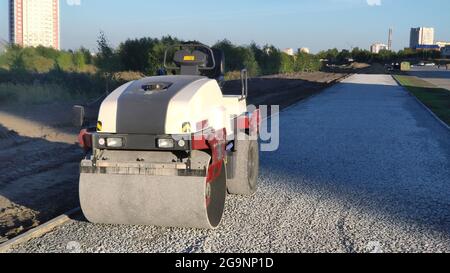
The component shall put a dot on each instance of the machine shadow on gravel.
(37, 183)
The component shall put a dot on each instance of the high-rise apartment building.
(34, 23)
(421, 36)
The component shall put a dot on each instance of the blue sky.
(317, 24)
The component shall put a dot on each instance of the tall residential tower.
(421, 36)
(34, 23)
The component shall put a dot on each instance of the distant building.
(428, 48)
(304, 50)
(289, 51)
(390, 37)
(34, 23)
(446, 51)
(442, 44)
(377, 47)
(421, 36)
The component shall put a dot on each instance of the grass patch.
(435, 98)
(233, 75)
(29, 94)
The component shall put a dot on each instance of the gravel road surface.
(39, 163)
(361, 168)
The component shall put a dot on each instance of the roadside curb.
(439, 120)
(38, 231)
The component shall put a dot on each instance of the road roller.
(168, 149)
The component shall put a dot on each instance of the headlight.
(101, 142)
(166, 143)
(114, 142)
(181, 143)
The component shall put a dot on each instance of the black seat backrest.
(197, 59)
(190, 61)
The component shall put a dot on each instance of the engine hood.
(142, 107)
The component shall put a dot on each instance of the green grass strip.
(435, 98)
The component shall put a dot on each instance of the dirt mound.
(5, 133)
(14, 219)
(283, 89)
(359, 65)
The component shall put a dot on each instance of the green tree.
(362, 56)
(65, 61)
(231, 58)
(287, 63)
(78, 59)
(16, 62)
(46, 52)
(4, 60)
(330, 54)
(40, 64)
(107, 60)
(268, 58)
(156, 57)
(238, 57)
(247, 58)
(343, 56)
(87, 55)
(28, 59)
(134, 54)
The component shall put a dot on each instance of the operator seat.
(192, 62)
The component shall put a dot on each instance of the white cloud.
(73, 2)
(374, 2)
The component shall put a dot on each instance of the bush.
(33, 93)
(305, 62)
(287, 63)
(238, 58)
(42, 59)
(77, 84)
(134, 54)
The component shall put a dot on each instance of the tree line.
(384, 56)
(80, 71)
(146, 56)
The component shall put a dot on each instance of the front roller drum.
(168, 201)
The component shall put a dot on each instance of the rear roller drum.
(247, 168)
